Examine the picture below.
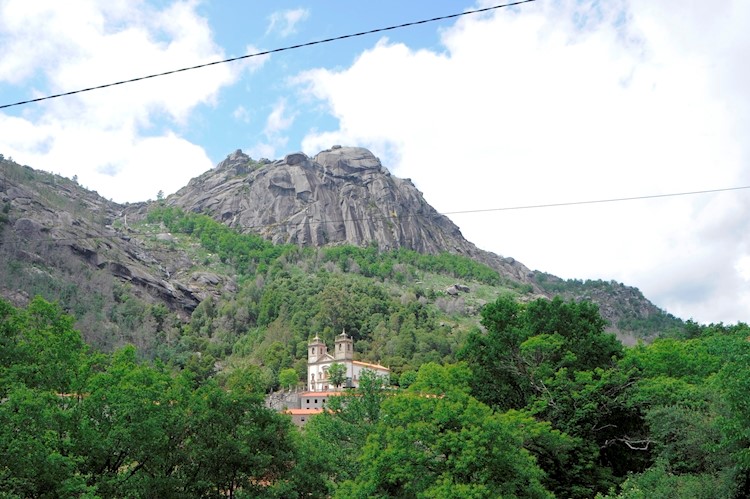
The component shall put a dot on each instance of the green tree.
(733, 382)
(129, 429)
(407, 379)
(337, 374)
(40, 348)
(288, 378)
(598, 408)
(659, 482)
(36, 459)
(443, 445)
(234, 443)
(526, 344)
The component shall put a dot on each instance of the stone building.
(319, 385)
(319, 361)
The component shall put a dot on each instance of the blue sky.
(281, 24)
(549, 102)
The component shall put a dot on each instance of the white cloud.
(253, 64)
(64, 46)
(279, 120)
(285, 21)
(556, 102)
(240, 113)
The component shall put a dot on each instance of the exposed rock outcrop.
(52, 219)
(344, 195)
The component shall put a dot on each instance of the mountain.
(343, 195)
(131, 281)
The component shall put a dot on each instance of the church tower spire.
(343, 347)
(316, 349)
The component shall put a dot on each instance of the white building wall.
(319, 360)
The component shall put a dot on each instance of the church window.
(313, 350)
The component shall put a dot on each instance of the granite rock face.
(344, 195)
(52, 222)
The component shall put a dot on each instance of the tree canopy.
(545, 404)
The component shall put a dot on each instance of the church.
(319, 361)
(319, 385)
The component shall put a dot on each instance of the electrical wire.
(597, 201)
(267, 52)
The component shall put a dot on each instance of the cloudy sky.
(553, 101)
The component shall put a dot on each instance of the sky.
(554, 101)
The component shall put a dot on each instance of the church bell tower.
(344, 347)
(315, 350)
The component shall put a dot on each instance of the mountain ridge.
(65, 240)
(343, 195)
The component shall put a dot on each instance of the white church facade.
(319, 360)
(320, 387)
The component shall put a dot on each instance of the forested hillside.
(544, 404)
(136, 274)
(394, 304)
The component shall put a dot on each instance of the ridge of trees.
(570, 413)
(251, 254)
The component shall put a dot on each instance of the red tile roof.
(374, 366)
(302, 412)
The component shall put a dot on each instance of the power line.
(400, 217)
(596, 201)
(267, 52)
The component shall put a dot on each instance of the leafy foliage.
(75, 424)
(667, 419)
(527, 344)
(370, 262)
(247, 253)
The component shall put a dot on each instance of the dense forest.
(542, 403)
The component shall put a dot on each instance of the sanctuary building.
(301, 406)
(319, 361)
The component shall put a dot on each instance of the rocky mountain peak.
(342, 195)
(343, 161)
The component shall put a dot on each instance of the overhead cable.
(267, 52)
(596, 201)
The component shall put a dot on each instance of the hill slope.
(342, 196)
(131, 281)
